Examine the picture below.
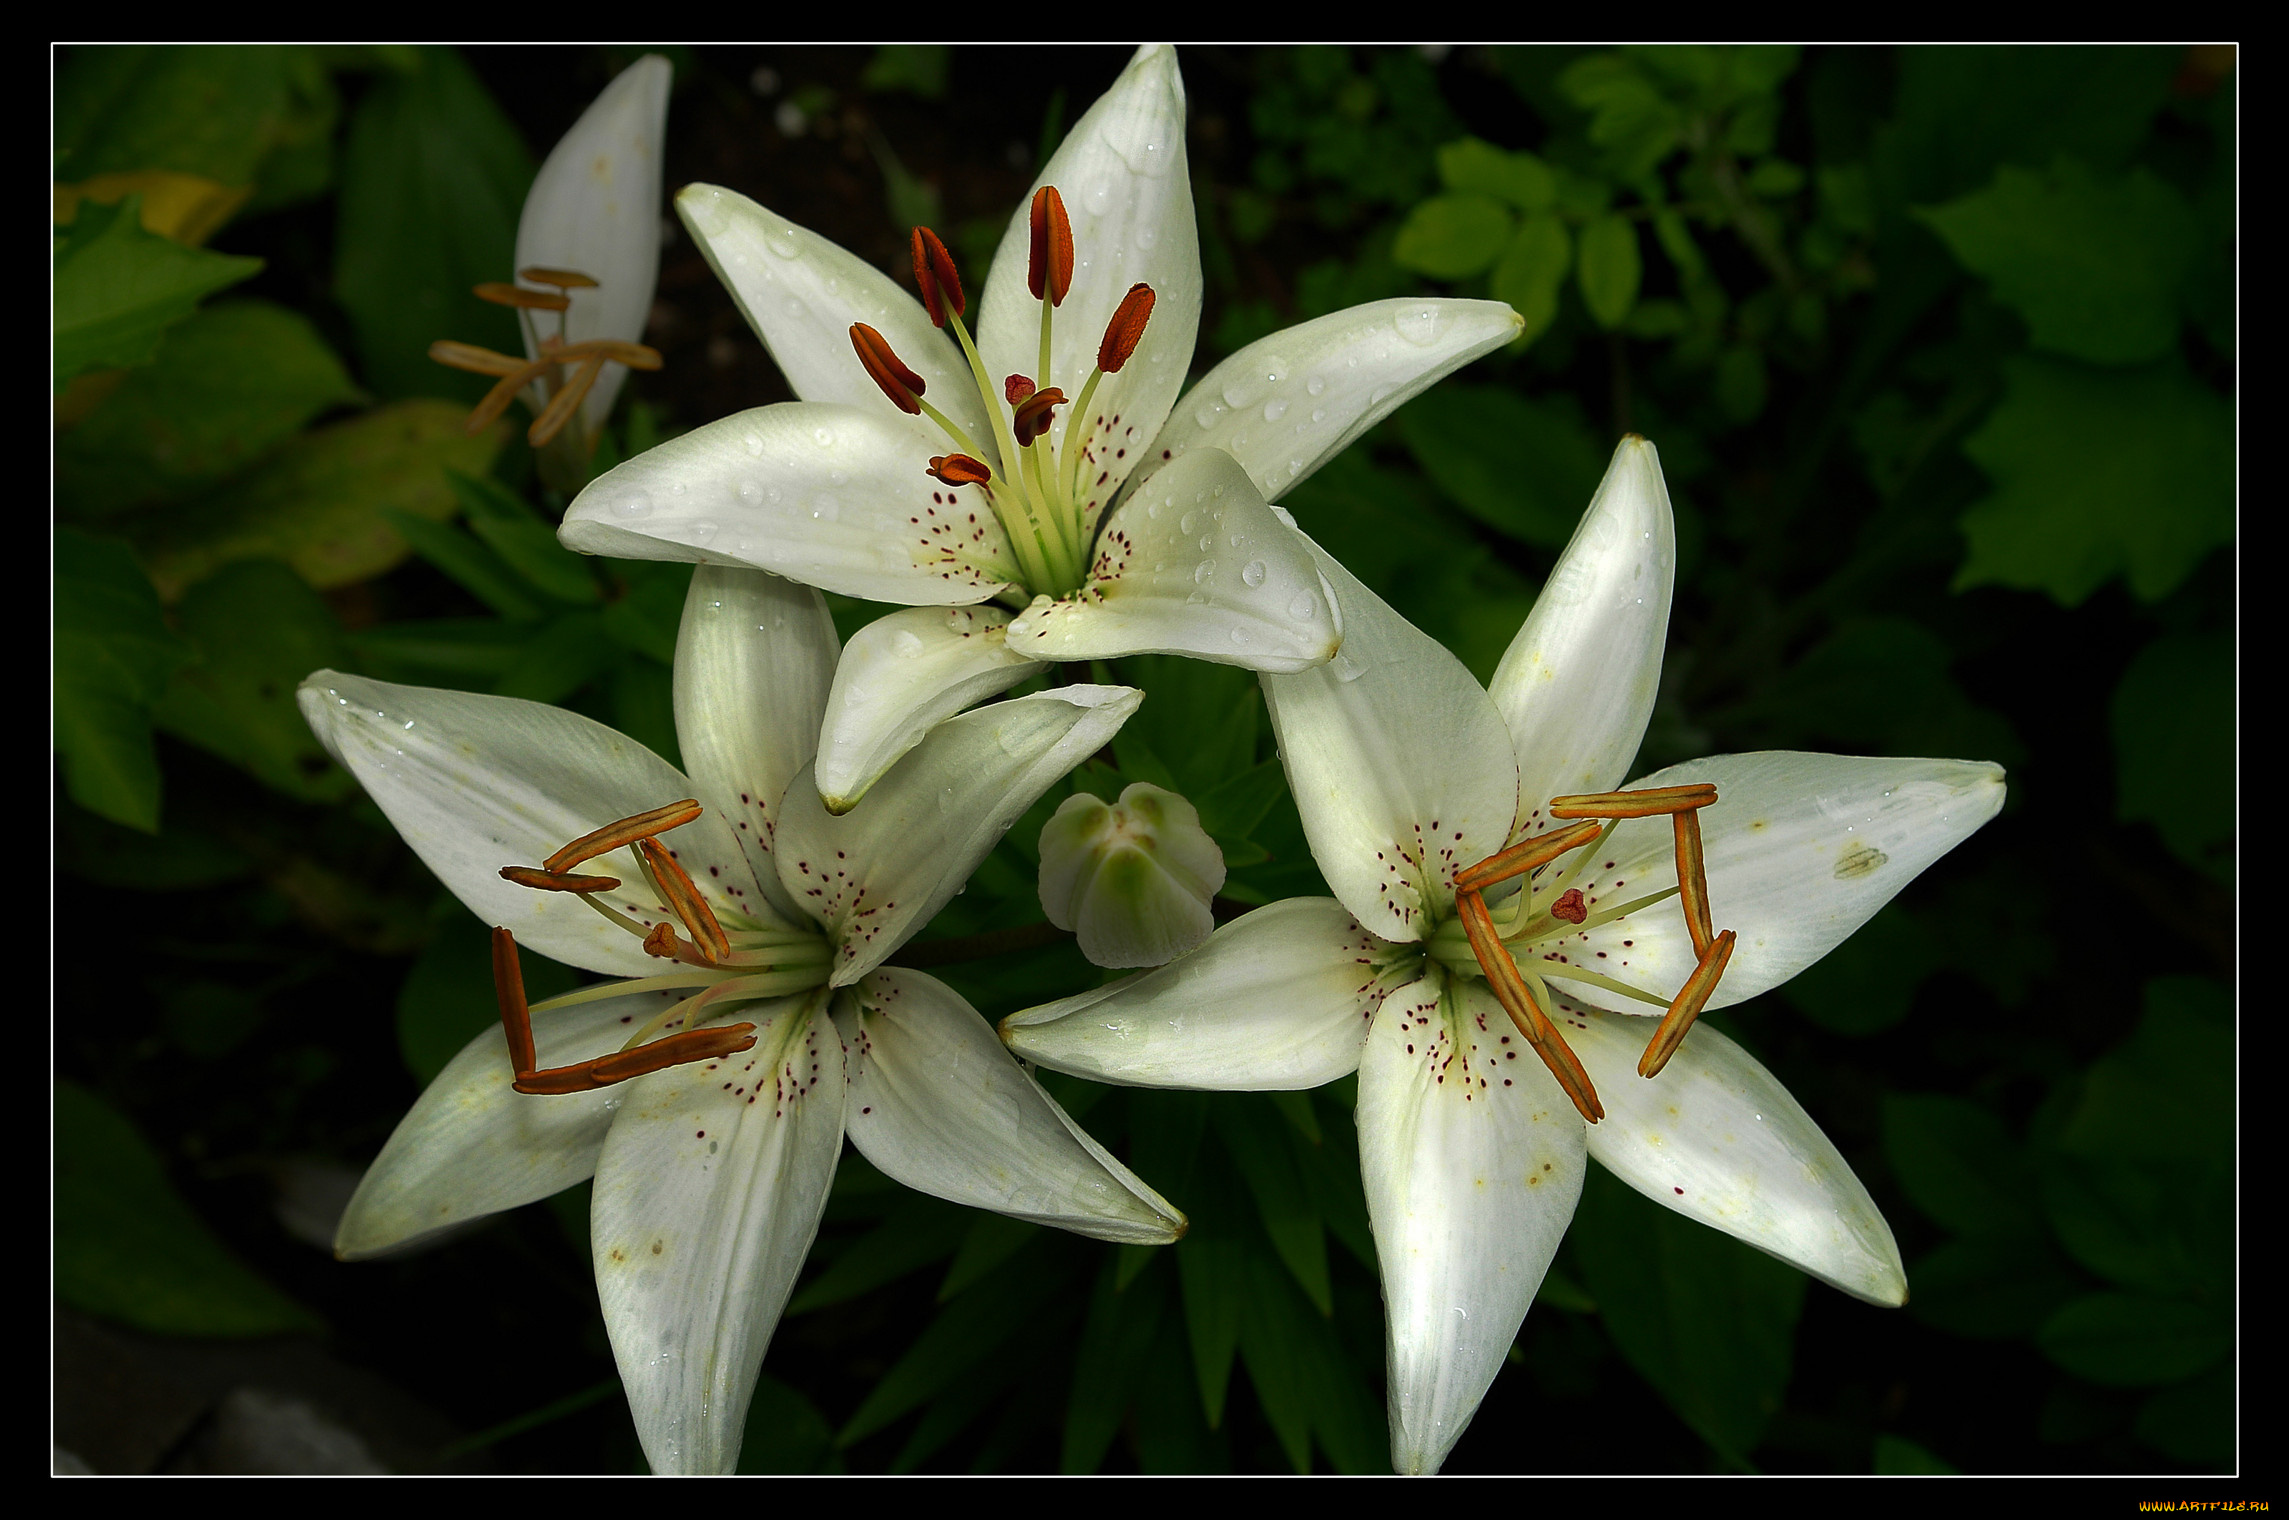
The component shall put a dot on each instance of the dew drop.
(1239, 636)
(1188, 523)
(1319, 414)
(1205, 417)
(1253, 572)
(1200, 575)
(905, 644)
(1421, 325)
(785, 242)
(825, 437)
(1314, 386)
(754, 445)
(1274, 410)
(1243, 391)
(1346, 668)
(1303, 607)
(1147, 235)
(703, 530)
(638, 505)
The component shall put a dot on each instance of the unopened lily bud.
(1132, 879)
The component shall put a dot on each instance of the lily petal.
(1578, 682)
(901, 676)
(595, 208)
(1400, 766)
(833, 496)
(938, 1104)
(1195, 564)
(1285, 405)
(754, 658)
(708, 1195)
(1277, 999)
(473, 1145)
(1718, 1139)
(1122, 173)
(801, 293)
(1802, 850)
(1472, 1166)
(876, 874)
(475, 783)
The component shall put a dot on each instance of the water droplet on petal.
(1314, 386)
(1274, 410)
(638, 505)
(905, 643)
(1302, 608)
(1206, 569)
(823, 437)
(754, 445)
(1421, 325)
(1188, 523)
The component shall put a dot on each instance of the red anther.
(958, 470)
(1016, 388)
(1126, 329)
(603, 1071)
(934, 272)
(509, 989)
(1052, 262)
(885, 369)
(1570, 906)
(1032, 418)
(557, 881)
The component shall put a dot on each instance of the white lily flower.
(1408, 774)
(712, 1165)
(1049, 464)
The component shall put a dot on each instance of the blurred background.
(1938, 348)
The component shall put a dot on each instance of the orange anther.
(625, 832)
(1126, 330)
(557, 881)
(1570, 906)
(1032, 419)
(1522, 857)
(1641, 804)
(934, 272)
(603, 1071)
(886, 370)
(958, 470)
(1052, 263)
(468, 356)
(501, 293)
(683, 896)
(634, 355)
(1692, 878)
(562, 279)
(663, 943)
(1691, 999)
(509, 989)
(1510, 991)
(498, 398)
(565, 402)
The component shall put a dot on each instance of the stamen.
(1032, 419)
(468, 356)
(509, 990)
(958, 470)
(626, 832)
(1016, 388)
(675, 1050)
(557, 881)
(934, 272)
(683, 896)
(498, 398)
(1692, 879)
(887, 370)
(1052, 261)
(1571, 907)
(500, 293)
(1642, 804)
(561, 406)
(634, 355)
(1510, 991)
(1691, 999)
(1126, 330)
(1522, 857)
(562, 279)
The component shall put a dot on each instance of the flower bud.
(1133, 879)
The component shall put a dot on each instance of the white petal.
(1399, 764)
(708, 1195)
(937, 1103)
(1276, 999)
(876, 874)
(832, 496)
(1802, 850)
(1473, 1161)
(801, 293)
(473, 1145)
(1285, 405)
(1121, 172)
(1718, 1139)
(902, 676)
(754, 658)
(1194, 564)
(595, 208)
(1577, 684)
(475, 783)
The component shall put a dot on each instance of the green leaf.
(257, 629)
(992, 1240)
(917, 68)
(113, 656)
(1117, 1340)
(1880, 685)
(1253, 1134)
(1959, 1165)
(447, 997)
(231, 383)
(1899, 1456)
(1474, 166)
(2193, 1422)
(111, 855)
(2173, 721)
(648, 618)
(786, 1433)
(128, 1249)
(966, 1332)
(1706, 1320)
(318, 503)
(2099, 473)
(1608, 267)
(2166, 1093)
(2094, 266)
(470, 653)
(1867, 984)
(524, 541)
(469, 564)
(1629, 117)
(2126, 1340)
(119, 288)
(919, 1231)
(1450, 237)
(237, 115)
(1999, 1287)
(1474, 441)
(433, 178)
(2145, 1226)
(1533, 270)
